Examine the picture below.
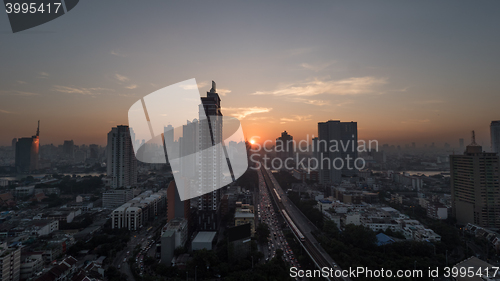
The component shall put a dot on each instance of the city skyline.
(280, 66)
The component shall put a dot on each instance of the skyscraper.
(121, 164)
(27, 150)
(211, 162)
(475, 189)
(284, 146)
(461, 144)
(495, 136)
(69, 149)
(175, 207)
(338, 150)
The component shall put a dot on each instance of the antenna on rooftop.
(473, 139)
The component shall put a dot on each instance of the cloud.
(242, 112)
(19, 93)
(311, 101)
(223, 92)
(349, 86)
(81, 91)
(21, 82)
(43, 75)
(133, 86)
(317, 67)
(416, 121)
(6, 112)
(121, 78)
(192, 87)
(296, 118)
(117, 53)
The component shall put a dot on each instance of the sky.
(419, 71)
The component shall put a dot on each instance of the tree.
(262, 232)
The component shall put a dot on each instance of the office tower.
(10, 263)
(27, 150)
(188, 146)
(169, 144)
(475, 189)
(284, 147)
(338, 150)
(461, 144)
(14, 141)
(121, 164)
(175, 207)
(210, 167)
(495, 136)
(69, 149)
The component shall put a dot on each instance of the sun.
(252, 141)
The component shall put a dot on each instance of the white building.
(180, 228)
(353, 219)
(114, 198)
(10, 263)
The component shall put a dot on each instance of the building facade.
(210, 168)
(337, 147)
(285, 147)
(10, 263)
(27, 153)
(114, 198)
(475, 189)
(121, 164)
(495, 136)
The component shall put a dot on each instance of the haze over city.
(406, 72)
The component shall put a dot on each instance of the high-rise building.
(10, 263)
(210, 167)
(284, 147)
(338, 150)
(461, 144)
(475, 187)
(69, 149)
(14, 141)
(175, 207)
(121, 164)
(27, 150)
(495, 136)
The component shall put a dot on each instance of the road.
(267, 215)
(311, 245)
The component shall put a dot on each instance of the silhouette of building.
(284, 147)
(121, 164)
(210, 169)
(338, 150)
(69, 149)
(175, 207)
(27, 153)
(495, 136)
(461, 145)
(475, 187)
(14, 141)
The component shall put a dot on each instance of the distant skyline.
(407, 72)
